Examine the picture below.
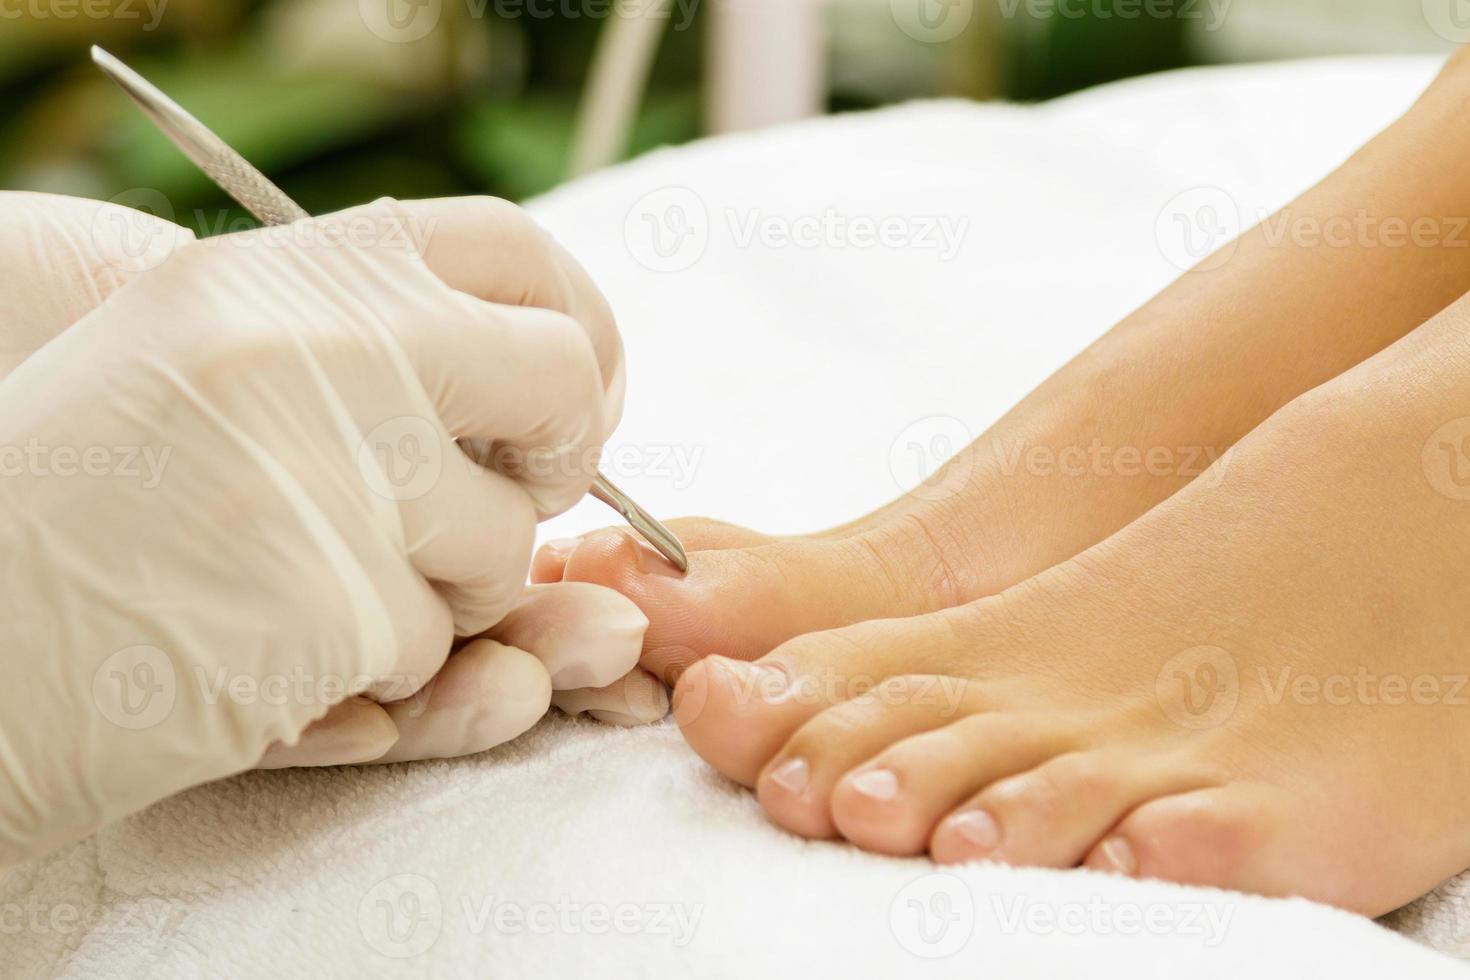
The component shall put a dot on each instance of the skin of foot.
(1260, 685)
(1271, 316)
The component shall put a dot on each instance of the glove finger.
(586, 635)
(493, 250)
(487, 693)
(519, 386)
(637, 698)
(64, 256)
(353, 732)
(467, 529)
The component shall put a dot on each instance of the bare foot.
(1271, 316)
(1260, 685)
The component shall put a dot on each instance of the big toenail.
(1120, 856)
(879, 784)
(650, 562)
(791, 775)
(977, 827)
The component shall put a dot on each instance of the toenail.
(878, 784)
(1120, 857)
(650, 562)
(791, 775)
(977, 827)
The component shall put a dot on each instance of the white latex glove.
(214, 508)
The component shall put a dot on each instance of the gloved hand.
(230, 499)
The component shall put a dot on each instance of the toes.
(921, 778)
(796, 785)
(1237, 837)
(737, 716)
(1052, 815)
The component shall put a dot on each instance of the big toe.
(743, 602)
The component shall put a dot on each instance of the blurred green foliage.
(333, 113)
(484, 104)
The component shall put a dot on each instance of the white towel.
(777, 386)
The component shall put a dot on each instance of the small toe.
(1241, 837)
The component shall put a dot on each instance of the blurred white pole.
(767, 62)
(616, 82)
